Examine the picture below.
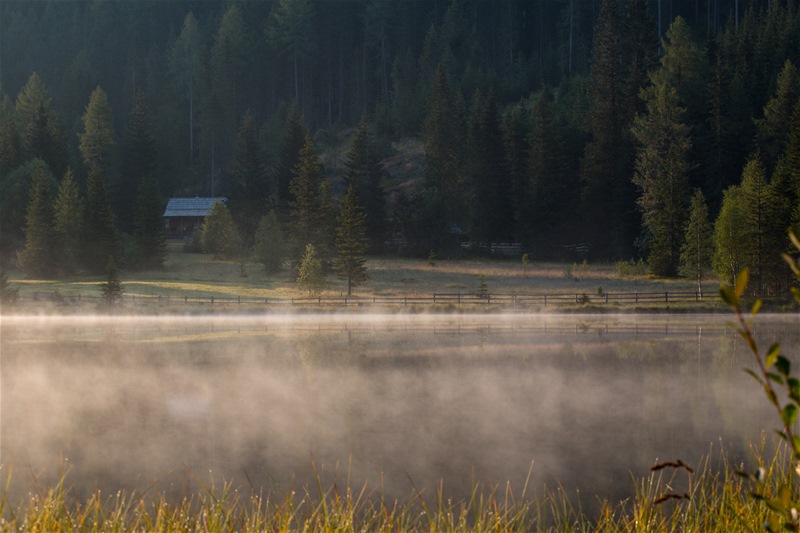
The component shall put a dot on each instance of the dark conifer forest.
(567, 128)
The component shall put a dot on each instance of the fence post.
(239, 300)
(212, 300)
(636, 297)
(606, 297)
(545, 300)
(666, 297)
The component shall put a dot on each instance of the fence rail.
(457, 299)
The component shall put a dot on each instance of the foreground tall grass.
(675, 497)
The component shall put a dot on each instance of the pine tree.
(351, 241)
(148, 226)
(36, 259)
(100, 233)
(139, 161)
(443, 173)
(773, 129)
(492, 209)
(607, 194)
(39, 127)
(294, 138)
(11, 155)
(219, 234)
(684, 67)
(516, 131)
(112, 290)
(69, 216)
(309, 274)
(763, 242)
(227, 65)
(292, 33)
(365, 174)
(97, 140)
(185, 62)
(697, 248)
(307, 216)
(549, 186)
(250, 189)
(730, 255)
(662, 176)
(16, 190)
(270, 246)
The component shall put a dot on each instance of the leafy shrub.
(631, 268)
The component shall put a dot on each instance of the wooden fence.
(436, 299)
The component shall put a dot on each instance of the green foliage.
(148, 226)
(8, 294)
(729, 236)
(39, 127)
(661, 173)
(483, 288)
(139, 161)
(100, 233)
(310, 277)
(112, 290)
(492, 211)
(294, 138)
(291, 32)
(697, 247)
(36, 259)
(250, 188)
(16, 189)
(773, 128)
(68, 219)
(308, 214)
(444, 179)
(546, 194)
(270, 247)
(351, 241)
(97, 139)
(365, 174)
(220, 236)
(773, 373)
(631, 268)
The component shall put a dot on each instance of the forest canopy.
(553, 124)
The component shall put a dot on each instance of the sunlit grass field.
(200, 275)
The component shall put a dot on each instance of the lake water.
(396, 402)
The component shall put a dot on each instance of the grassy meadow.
(677, 498)
(202, 276)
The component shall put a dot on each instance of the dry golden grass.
(201, 276)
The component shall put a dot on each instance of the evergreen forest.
(667, 130)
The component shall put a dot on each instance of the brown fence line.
(512, 300)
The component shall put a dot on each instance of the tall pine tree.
(307, 213)
(36, 259)
(69, 215)
(365, 174)
(661, 174)
(607, 193)
(351, 241)
(148, 226)
(139, 160)
(697, 248)
(250, 189)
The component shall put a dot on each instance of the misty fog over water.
(396, 402)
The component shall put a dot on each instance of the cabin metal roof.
(191, 207)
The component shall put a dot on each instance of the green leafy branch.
(774, 373)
